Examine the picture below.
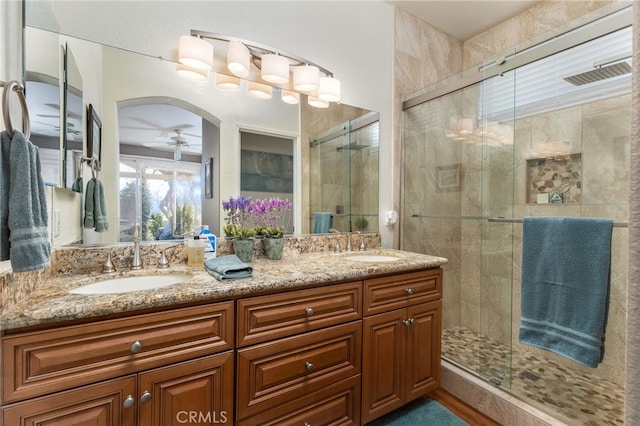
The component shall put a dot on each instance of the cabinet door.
(383, 364)
(109, 403)
(423, 349)
(192, 392)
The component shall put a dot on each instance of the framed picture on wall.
(208, 178)
(94, 133)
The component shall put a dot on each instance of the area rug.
(424, 411)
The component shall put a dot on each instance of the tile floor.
(568, 395)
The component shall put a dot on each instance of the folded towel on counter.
(322, 222)
(229, 267)
(95, 210)
(5, 143)
(30, 248)
(565, 285)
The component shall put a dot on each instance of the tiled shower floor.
(569, 395)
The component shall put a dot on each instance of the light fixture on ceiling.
(314, 101)
(178, 142)
(275, 66)
(190, 73)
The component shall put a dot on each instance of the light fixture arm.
(257, 50)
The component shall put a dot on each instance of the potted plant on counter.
(238, 226)
(271, 217)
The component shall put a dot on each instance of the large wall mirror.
(171, 149)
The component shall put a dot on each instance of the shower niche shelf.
(554, 180)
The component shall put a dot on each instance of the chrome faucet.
(361, 239)
(349, 247)
(136, 262)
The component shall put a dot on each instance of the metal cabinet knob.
(307, 424)
(308, 366)
(129, 402)
(409, 321)
(309, 312)
(409, 291)
(145, 397)
(136, 347)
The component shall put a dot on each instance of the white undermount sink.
(377, 258)
(128, 284)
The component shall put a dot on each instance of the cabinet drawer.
(399, 291)
(270, 317)
(335, 405)
(277, 372)
(60, 358)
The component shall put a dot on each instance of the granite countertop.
(51, 301)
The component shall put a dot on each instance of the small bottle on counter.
(209, 242)
(195, 252)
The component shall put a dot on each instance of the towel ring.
(14, 86)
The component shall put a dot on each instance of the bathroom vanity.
(316, 339)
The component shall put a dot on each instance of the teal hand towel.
(89, 206)
(30, 248)
(229, 267)
(5, 143)
(565, 285)
(100, 208)
(322, 222)
(95, 210)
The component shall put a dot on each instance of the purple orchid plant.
(271, 216)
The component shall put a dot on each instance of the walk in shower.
(344, 174)
(540, 132)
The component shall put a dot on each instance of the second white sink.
(128, 284)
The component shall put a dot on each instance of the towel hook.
(14, 86)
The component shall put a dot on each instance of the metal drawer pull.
(409, 291)
(128, 402)
(136, 347)
(308, 366)
(409, 321)
(309, 312)
(146, 397)
(307, 424)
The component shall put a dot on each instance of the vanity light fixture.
(306, 78)
(275, 66)
(227, 82)
(192, 73)
(195, 52)
(259, 90)
(290, 97)
(238, 59)
(314, 101)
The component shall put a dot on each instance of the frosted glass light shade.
(317, 102)
(259, 90)
(290, 97)
(177, 154)
(329, 89)
(238, 58)
(275, 68)
(195, 52)
(192, 73)
(306, 78)
(227, 82)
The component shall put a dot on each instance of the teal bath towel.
(227, 268)
(27, 222)
(565, 285)
(5, 143)
(322, 221)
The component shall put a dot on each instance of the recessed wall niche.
(554, 180)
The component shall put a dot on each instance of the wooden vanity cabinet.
(306, 367)
(401, 344)
(172, 361)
